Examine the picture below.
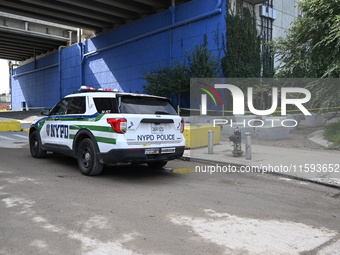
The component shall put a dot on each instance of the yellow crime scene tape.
(312, 109)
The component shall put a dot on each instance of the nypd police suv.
(100, 127)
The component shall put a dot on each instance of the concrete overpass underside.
(31, 28)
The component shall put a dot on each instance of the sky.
(4, 76)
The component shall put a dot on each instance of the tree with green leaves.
(312, 45)
(311, 49)
(169, 80)
(243, 58)
(202, 62)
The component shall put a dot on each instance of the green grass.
(332, 134)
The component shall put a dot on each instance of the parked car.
(100, 127)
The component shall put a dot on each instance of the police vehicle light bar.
(91, 89)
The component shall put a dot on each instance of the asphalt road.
(48, 207)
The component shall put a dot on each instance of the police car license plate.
(157, 129)
(151, 151)
(168, 150)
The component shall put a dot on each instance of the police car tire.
(157, 164)
(35, 145)
(87, 158)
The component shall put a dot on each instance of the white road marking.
(7, 138)
(89, 244)
(40, 244)
(332, 249)
(21, 136)
(10, 140)
(254, 236)
(21, 179)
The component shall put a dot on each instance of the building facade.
(117, 59)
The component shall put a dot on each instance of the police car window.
(76, 106)
(106, 105)
(61, 107)
(146, 105)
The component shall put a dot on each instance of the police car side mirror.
(45, 112)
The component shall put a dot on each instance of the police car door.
(53, 129)
(74, 115)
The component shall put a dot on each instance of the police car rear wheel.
(87, 158)
(157, 164)
(35, 146)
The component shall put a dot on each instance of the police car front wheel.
(35, 145)
(87, 158)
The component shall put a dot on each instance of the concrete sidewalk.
(315, 166)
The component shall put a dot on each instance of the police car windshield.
(146, 105)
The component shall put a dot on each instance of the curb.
(10, 125)
(207, 161)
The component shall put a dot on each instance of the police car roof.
(112, 94)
